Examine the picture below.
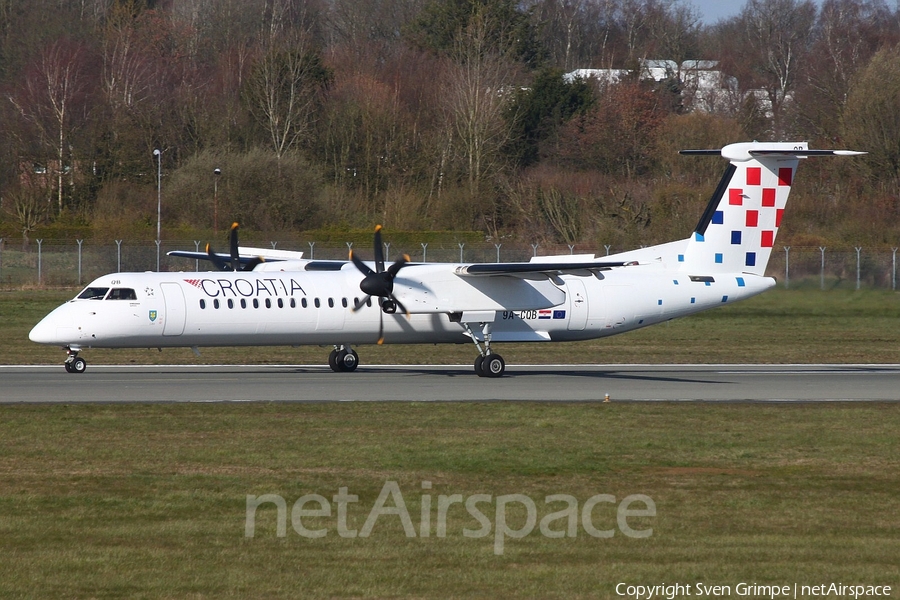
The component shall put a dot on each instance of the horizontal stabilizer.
(748, 150)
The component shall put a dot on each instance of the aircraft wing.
(546, 269)
(245, 256)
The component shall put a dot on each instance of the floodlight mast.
(158, 154)
(216, 172)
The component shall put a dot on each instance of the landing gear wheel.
(493, 365)
(479, 363)
(68, 366)
(78, 365)
(332, 361)
(347, 360)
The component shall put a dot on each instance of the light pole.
(216, 172)
(158, 154)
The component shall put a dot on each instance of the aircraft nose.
(53, 328)
(44, 332)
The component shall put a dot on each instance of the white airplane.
(279, 298)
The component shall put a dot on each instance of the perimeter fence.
(55, 263)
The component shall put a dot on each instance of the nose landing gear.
(74, 363)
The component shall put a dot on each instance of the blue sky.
(712, 11)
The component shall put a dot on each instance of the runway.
(403, 383)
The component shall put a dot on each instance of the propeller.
(380, 283)
(235, 263)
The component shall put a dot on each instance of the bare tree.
(563, 31)
(674, 30)
(283, 89)
(125, 76)
(777, 34)
(872, 116)
(847, 34)
(28, 207)
(476, 94)
(52, 93)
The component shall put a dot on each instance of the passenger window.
(230, 303)
(293, 303)
(216, 303)
(344, 302)
(268, 303)
(122, 294)
(317, 303)
(303, 302)
(280, 303)
(93, 293)
(331, 303)
(202, 303)
(243, 303)
(255, 303)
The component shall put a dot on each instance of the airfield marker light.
(606, 398)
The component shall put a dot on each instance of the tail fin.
(737, 231)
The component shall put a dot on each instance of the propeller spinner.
(380, 282)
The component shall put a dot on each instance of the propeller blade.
(360, 303)
(400, 305)
(216, 260)
(233, 246)
(398, 264)
(380, 327)
(379, 250)
(360, 265)
(254, 262)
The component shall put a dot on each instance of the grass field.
(150, 501)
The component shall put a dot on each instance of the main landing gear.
(74, 363)
(490, 365)
(343, 359)
(487, 364)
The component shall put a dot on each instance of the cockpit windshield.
(93, 293)
(122, 294)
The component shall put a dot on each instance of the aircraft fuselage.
(158, 310)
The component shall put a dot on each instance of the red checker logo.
(785, 175)
(754, 175)
(768, 198)
(778, 214)
(752, 218)
(736, 196)
(768, 239)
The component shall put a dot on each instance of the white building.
(704, 87)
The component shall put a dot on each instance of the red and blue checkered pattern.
(741, 233)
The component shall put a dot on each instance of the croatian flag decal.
(545, 314)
